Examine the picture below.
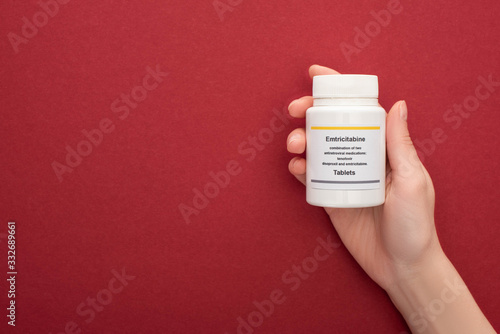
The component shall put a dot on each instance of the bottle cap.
(345, 86)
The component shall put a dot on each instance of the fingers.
(296, 142)
(297, 167)
(402, 155)
(320, 70)
(297, 108)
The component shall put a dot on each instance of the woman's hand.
(396, 243)
(389, 239)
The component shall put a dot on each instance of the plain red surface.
(226, 81)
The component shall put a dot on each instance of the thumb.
(402, 155)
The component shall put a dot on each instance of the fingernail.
(292, 103)
(403, 111)
(292, 139)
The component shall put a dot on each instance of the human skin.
(396, 243)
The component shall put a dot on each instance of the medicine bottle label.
(344, 157)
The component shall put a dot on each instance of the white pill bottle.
(345, 135)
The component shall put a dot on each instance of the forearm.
(433, 298)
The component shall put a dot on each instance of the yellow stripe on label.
(345, 127)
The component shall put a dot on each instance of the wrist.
(434, 265)
(433, 298)
(422, 292)
(415, 281)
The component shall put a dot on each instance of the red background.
(120, 207)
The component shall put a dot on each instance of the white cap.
(345, 85)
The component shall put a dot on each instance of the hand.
(388, 241)
(396, 243)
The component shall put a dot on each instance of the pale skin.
(396, 243)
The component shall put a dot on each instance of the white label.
(344, 157)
